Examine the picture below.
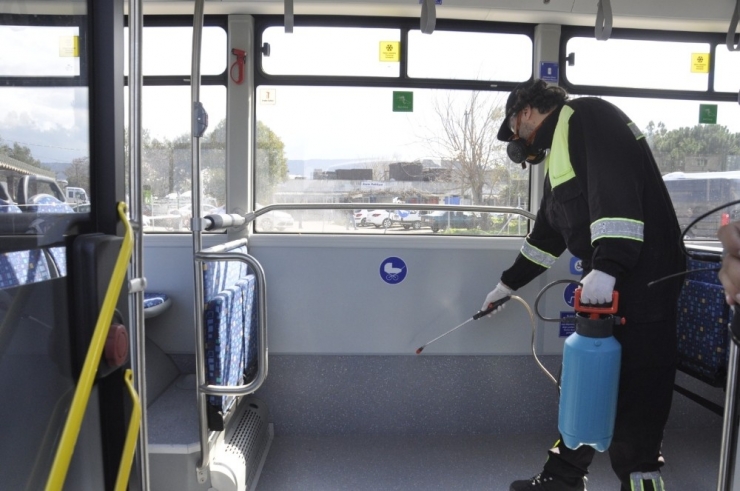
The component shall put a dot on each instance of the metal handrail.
(244, 389)
(220, 253)
(220, 221)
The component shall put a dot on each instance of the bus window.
(166, 153)
(40, 51)
(438, 56)
(166, 133)
(695, 193)
(330, 51)
(632, 63)
(168, 50)
(354, 145)
(684, 146)
(727, 66)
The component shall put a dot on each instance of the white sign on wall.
(372, 186)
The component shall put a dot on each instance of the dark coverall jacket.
(605, 201)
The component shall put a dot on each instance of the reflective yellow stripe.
(558, 162)
(537, 256)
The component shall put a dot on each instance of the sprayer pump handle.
(491, 307)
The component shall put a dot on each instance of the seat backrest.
(702, 321)
(224, 343)
(230, 329)
(23, 267)
(218, 275)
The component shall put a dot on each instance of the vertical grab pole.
(727, 454)
(136, 305)
(196, 227)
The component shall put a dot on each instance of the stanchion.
(730, 424)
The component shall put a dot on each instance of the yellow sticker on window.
(390, 51)
(699, 62)
(69, 46)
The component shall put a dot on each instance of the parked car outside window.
(360, 217)
(407, 218)
(380, 218)
(440, 220)
(274, 220)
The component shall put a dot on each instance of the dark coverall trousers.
(647, 374)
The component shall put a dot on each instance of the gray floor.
(447, 423)
(328, 463)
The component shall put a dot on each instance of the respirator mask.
(522, 151)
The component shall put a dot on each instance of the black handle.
(491, 307)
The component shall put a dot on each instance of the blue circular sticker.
(393, 270)
(569, 294)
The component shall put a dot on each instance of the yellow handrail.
(129, 448)
(71, 430)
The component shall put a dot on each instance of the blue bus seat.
(46, 203)
(7, 206)
(230, 330)
(23, 267)
(218, 275)
(251, 324)
(224, 344)
(155, 303)
(703, 319)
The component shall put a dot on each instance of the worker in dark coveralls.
(604, 200)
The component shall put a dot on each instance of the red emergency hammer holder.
(241, 59)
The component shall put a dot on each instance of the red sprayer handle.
(594, 310)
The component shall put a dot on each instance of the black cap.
(518, 99)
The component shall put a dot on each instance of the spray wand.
(491, 307)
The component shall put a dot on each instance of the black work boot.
(545, 481)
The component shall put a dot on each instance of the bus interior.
(231, 227)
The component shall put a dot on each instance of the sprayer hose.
(534, 336)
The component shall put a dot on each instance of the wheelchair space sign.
(393, 270)
(569, 294)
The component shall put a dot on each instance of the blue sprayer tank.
(590, 378)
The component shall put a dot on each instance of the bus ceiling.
(687, 15)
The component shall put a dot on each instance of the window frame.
(403, 80)
(713, 39)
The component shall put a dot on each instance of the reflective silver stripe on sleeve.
(537, 256)
(617, 228)
(637, 481)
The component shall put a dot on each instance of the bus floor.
(328, 463)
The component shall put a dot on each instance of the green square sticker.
(707, 113)
(403, 102)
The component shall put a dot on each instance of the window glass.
(166, 155)
(638, 64)
(470, 56)
(44, 138)
(727, 70)
(40, 51)
(381, 145)
(168, 51)
(332, 51)
(700, 162)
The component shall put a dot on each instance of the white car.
(274, 220)
(360, 217)
(407, 218)
(380, 218)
